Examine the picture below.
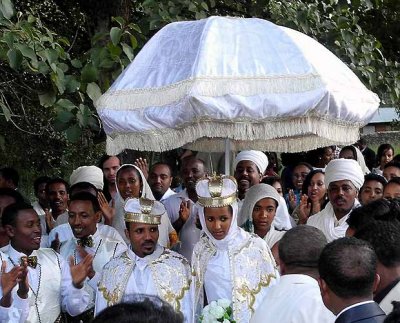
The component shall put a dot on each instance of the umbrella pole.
(227, 156)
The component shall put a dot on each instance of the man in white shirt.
(147, 268)
(160, 179)
(54, 285)
(18, 310)
(343, 179)
(296, 298)
(83, 215)
(181, 207)
(348, 278)
(57, 195)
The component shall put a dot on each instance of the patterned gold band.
(217, 201)
(142, 218)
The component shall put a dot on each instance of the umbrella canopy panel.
(261, 85)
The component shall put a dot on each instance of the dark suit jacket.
(366, 313)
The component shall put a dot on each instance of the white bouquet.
(217, 311)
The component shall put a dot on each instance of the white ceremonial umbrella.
(260, 85)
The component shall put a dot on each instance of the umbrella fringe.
(209, 87)
(290, 135)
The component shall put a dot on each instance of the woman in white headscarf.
(227, 262)
(259, 208)
(131, 183)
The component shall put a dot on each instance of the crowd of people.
(317, 241)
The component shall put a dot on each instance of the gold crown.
(214, 185)
(144, 216)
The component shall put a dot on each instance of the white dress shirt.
(294, 299)
(51, 277)
(104, 249)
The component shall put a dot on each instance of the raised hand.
(107, 210)
(83, 253)
(49, 220)
(184, 210)
(23, 284)
(9, 280)
(292, 200)
(55, 244)
(304, 209)
(143, 166)
(80, 271)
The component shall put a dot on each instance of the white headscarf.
(228, 188)
(257, 157)
(146, 190)
(89, 174)
(119, 219)
(361, 161)
(344, 169)
(255, 194)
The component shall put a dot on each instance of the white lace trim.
(278, 134)
(206, 86)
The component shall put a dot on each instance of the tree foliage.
(57, 57)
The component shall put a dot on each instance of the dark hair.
(307, 180)
(82, 187)
(374, 177)
(381, 151)
(270, 180)
(86, 196)
(393, 316)
(392, 163)
(57, 180)
(38, 181)
(397, 159)
(362, 141)
(162, 164)
(103, 159)
(6, 191)
(304, 164)
(269, 155)
(301, 246)
(10, 213)
(348, 266)
(395, 180)
(10, 174)
(353, 150)
(313, 156)
(382, 209)
(384, 236)
(150, 309)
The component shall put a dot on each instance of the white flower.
(206, 309)
(224, 303)
(217, 312)
(226, 321)
(213, 304)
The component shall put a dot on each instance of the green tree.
(57, 57)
